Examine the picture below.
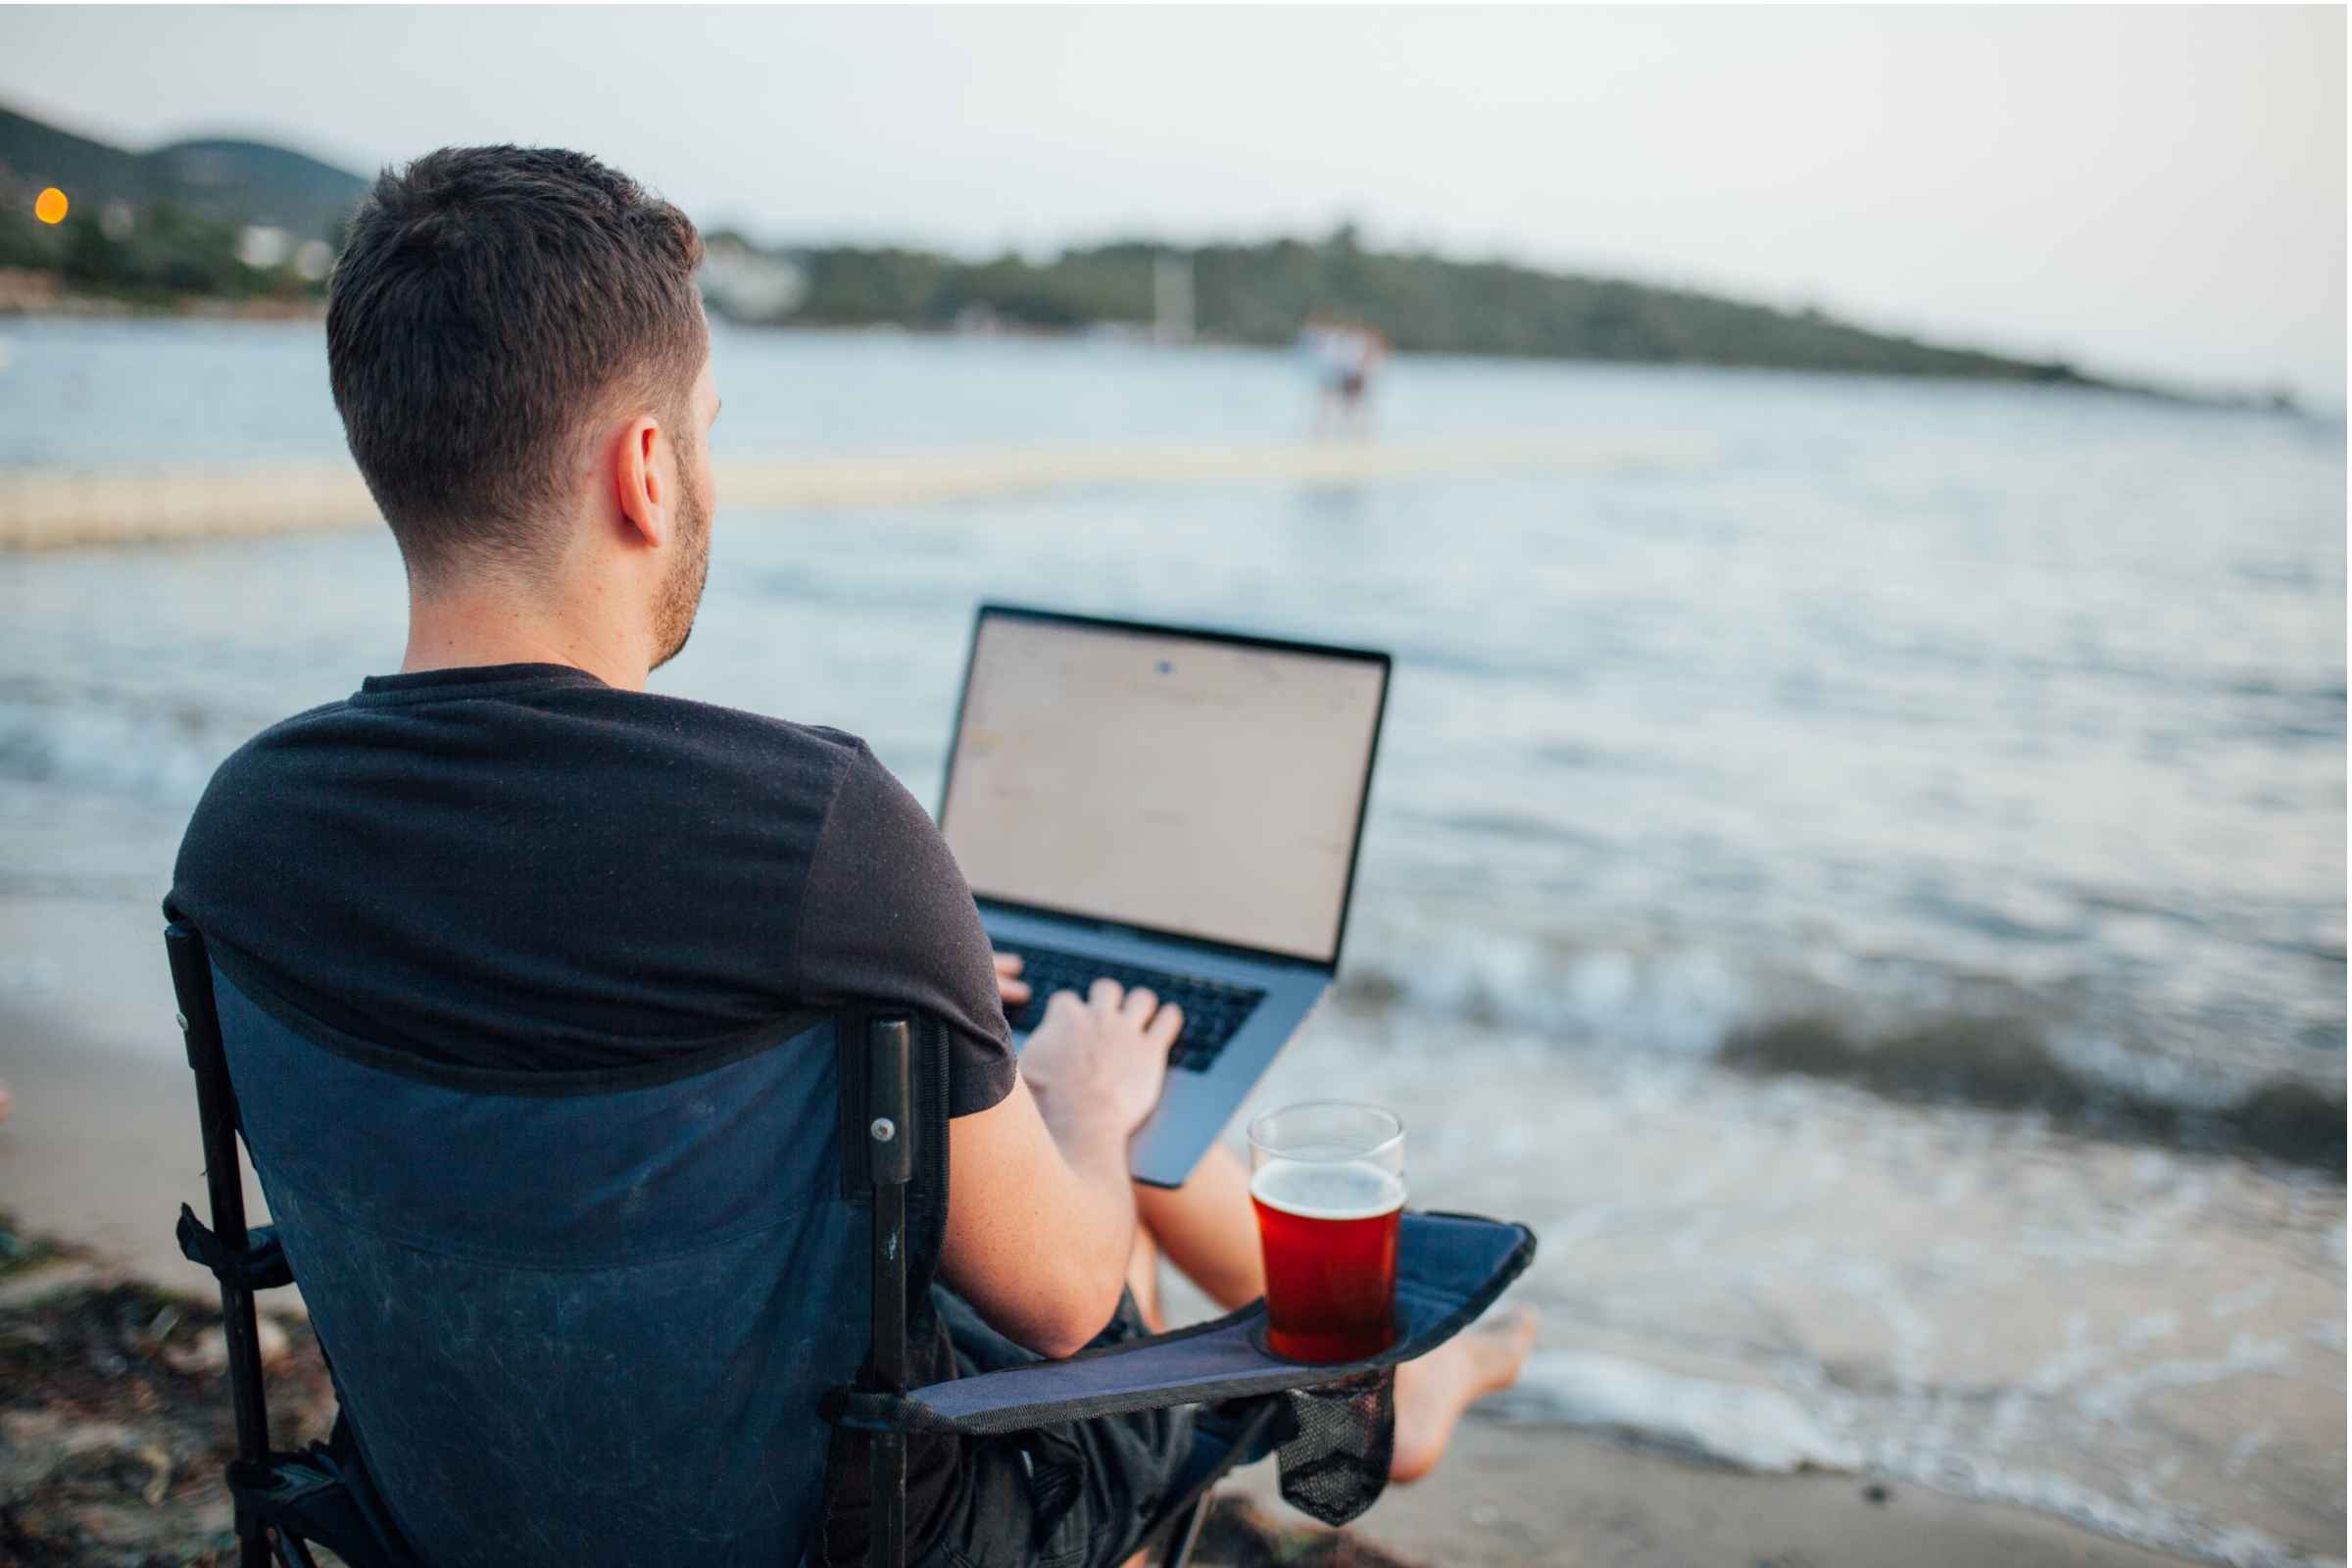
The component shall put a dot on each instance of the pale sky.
(2147, 192)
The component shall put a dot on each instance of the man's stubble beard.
(682, 593)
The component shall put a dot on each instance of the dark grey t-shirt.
(519, 869)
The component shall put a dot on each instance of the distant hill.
(1260, 294)
(34, 154)
(259, 183)
(191, 198)
(230, 181)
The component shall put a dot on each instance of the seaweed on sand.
(115, 1421)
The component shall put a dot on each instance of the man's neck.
(457, 632)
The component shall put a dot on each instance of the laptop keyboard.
(1214, 1011)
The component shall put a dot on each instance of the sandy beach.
(102, 1149)
(55, 509)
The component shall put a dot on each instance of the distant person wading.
(1341, 356)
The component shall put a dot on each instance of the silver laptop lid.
(1190, 783)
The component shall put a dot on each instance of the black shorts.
(1076, 1495)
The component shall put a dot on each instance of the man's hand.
(1040, 1216)
(1009, 985)
(1100, 1061)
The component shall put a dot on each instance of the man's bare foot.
(1433, 1392)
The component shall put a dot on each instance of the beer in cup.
(1326, 1179)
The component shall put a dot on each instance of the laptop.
(1172, 807)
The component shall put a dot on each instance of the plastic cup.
(1326, 1179)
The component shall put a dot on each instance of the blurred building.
(742, 284)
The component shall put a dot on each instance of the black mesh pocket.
(1336, 1464)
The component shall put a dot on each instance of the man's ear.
(642, 493)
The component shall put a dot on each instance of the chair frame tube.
(890, 1162)
(224, 1187)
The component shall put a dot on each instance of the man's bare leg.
(1433, 1391)
(1207, 1228)
(1208, 1231)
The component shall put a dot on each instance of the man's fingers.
(1063, 1002)
(1139, 1004)
(1008, 965)
(1166, 1024)
(1105, 993)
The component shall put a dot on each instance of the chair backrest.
(586, 1327)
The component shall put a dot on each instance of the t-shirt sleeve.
(886, 916)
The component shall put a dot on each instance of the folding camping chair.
(616, 1327)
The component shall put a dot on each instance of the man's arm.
(1041, 1212)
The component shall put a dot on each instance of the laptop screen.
(1186, 784)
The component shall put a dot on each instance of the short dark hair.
(489, 302)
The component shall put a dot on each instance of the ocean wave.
(157, 750)
(2246, 1073)
(1737, 1425)
(1903, 1034)
(2006, 1064)
(1766, 1430)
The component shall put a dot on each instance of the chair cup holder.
(1450, 1268)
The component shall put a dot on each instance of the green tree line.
(1255, 293)
(1260, 294)
(167, 253)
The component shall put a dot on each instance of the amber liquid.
(1331, 1259)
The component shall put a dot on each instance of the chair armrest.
(1450, 1268)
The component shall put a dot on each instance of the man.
(509, 858)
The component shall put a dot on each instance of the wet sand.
(102, 1148)
(1546, 1498)
(57, 508)
(1782, 1274)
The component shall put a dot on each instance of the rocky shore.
(115, 1421)
(33, 291)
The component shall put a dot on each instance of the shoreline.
(1579, 1466)
(115, 1449)
(44, 294)
(1510, 1492)
(54, 509)
(1511, 1495)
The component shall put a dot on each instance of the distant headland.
(245, 228)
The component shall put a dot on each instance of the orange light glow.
(50, 206)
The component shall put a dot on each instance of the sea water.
(1869, 890)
